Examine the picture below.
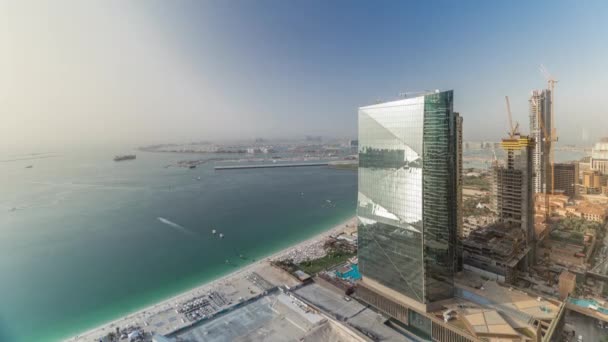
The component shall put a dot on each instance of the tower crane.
(513, 130)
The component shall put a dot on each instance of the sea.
(85, 240)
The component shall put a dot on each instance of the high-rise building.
(407, 210)
(540, 130)
(599, 156)
(407, 200)
(459, 184)
(513, 198)
(566, 178)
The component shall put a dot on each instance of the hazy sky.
(80, 72)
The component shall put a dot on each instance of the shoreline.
(166, 304)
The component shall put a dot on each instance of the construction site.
(548, 240)
(496, 251)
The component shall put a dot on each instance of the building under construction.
(541, 127)
(499, 250)
(513, 199)
(496, 251)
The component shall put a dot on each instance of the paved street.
(586, 327)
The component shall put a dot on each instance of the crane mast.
(513, 130)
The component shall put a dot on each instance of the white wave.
(174, 225)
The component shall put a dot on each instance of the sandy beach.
(140, 317)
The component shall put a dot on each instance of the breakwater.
(267, 166)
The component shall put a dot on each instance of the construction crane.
(513, 130)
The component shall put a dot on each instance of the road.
(586, 327)
(601, 261)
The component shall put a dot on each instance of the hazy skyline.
(76, 72)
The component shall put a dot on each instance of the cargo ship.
(124, 157)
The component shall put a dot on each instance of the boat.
(221, 236)
(124, 157)
(214, 232)
(29, 166)
(192, 166)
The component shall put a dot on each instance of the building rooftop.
(490, 310)
(567, 276)
(482, 308)
(499, 241)
(352, 312)
(487, 322)
(267, 319)
(515, 301)
(591, 209)
(406, 98)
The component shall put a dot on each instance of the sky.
(142, 72)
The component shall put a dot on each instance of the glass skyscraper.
(407, 195)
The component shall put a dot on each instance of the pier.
(267, 166)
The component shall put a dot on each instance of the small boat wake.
(174, 225)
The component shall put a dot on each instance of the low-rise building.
(481, 310)
(561, 206)
(592, 212)
(592, 182)
(567, 248)
(557, 203)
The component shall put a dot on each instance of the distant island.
(124, 157)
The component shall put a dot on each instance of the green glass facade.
(407, 195)
(439, 195)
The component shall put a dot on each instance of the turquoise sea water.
(81, 242)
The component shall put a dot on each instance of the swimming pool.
(588, 302)
(352, 274)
